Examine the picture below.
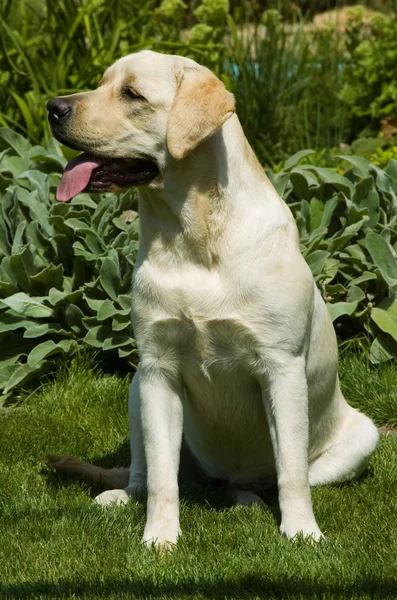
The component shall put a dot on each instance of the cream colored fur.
(237, 348)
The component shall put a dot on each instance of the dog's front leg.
(162, 423)
(285, 397)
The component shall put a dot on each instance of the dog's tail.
(110, 478)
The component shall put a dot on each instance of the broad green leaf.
(116, 341)
(74, 318)
(46, 349)
(293, 160)
(338, 309)
(17, 377)
(18, 242)
(94, 304)
(316, 241)
(11, 322)
(371, 201)
(12, 139)
(382, 256)
(384, 321)
(355, 251)
(329, 208)
(79, 250)
(6, 373)
(49, 277)
(24, 374)
(391, 171)
(97, 336)
(38, 182)
(330, 269)
(77, 225)
(120, 223)
(385, 316)
(362, 189)
(301, 185)
(37, 209)
(56, 296)
(310, 179)
(326, 175)
(58, 161)
(335, 289)
(109, 276)
(119, 323)
(383, 348)
(355, 294)
(341, 239)
(41, 351)
(127, 352)
(27, 306)
(281, 184)
(316, 261)
(64, 252)
(106, 310)
(366, 276)
(93, 242)
(361, 166)
(19, 265)
(34, 330)
(83, 200)
(316, 213)
(125, 301)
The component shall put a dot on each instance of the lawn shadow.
(194, 485)
(249, 586)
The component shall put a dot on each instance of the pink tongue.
(76, 176)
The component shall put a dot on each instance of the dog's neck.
(217, 184)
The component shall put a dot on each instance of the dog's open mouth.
(91, 174)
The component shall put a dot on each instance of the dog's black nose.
(59, 109)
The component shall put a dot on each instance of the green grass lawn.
(56, 543)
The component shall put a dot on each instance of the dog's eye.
(130, 94)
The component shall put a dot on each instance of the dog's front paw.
(116, 497)
(307, 528)
(162, 538)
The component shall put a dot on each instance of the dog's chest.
(193, 321)
(197, 329)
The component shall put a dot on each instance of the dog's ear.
(200, 107)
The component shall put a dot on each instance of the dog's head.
(148, 107)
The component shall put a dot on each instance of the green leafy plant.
(58, 47)
(348, 232)
(370, 87)
(65, 269)
(285, 76)
(286, 79)
(382, 156)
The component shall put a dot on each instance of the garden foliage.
(285, 77)
(370, 87)
(296, 85)
(348, 233)
(65, 269)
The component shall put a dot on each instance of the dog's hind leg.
(136, 487)
(348, 456)
(245, 498)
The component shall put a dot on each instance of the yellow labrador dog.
(237, 350)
